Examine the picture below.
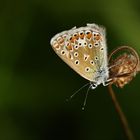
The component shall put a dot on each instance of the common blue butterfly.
(84, 50)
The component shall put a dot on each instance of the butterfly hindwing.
(83, 49)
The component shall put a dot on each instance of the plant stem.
(122, 117)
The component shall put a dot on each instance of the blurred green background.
(34, 82)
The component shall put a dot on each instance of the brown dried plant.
(123, 69)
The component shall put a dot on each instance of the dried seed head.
(124, 67)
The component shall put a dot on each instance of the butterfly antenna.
(86, 97)
(77, 92)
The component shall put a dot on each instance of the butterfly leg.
(107, 82)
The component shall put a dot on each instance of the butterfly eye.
(90, 45)
(87, 69)
(76, 54)
(76, 62)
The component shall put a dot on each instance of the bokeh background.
(35, 83)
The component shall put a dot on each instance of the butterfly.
(84, 50)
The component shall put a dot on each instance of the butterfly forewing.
(83, 49)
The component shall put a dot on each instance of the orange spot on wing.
(69, 47)
(76, 36)
(81, 35)
(72, 39)
(89, 35)
(97, 36)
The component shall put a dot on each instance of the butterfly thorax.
(101, 76)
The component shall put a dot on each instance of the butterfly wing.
(83, 49)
